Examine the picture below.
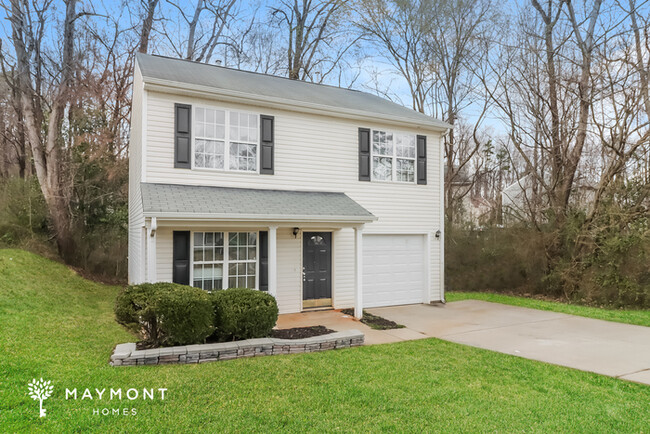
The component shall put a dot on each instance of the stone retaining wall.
(127, 355)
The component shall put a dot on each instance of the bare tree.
(149, 7)
(200, 30)
(438, 48)
(43, 114)
(546, 97)
(398, 30)
(457, 45)
(14, 152)
(313, 37)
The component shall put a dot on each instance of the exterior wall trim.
(143, 150)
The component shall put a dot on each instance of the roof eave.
(161, 85)
(260, 217)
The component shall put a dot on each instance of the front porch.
(337, 321)
(307, 253)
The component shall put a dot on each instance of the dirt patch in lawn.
(300, 332)
(374, 321)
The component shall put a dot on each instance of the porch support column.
(358, 247)
(151, 250)
(273, 260)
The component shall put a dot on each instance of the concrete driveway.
(608, 348)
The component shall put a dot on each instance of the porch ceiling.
(247, 204)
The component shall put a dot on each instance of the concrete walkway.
(608, 348)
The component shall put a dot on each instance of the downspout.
(442, 217)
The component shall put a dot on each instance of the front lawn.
(628, 316)
(55, 325)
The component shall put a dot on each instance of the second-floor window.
(225, 140)
(393, 156)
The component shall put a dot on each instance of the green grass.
(60, 327)
(628, 316)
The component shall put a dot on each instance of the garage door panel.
(393, 269)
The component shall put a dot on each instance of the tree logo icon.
(40, 390)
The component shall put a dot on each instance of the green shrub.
(241, 313)
(166, 313)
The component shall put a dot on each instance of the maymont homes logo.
(40, 390)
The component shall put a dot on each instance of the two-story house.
(322, 196)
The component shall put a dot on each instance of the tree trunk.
(147, 25)
(46, 143)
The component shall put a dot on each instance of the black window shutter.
(364, 154)
(266, 144)
(422, 160)
(182, 136)
(264, 261)
(181, 255)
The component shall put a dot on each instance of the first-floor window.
(224, 255)
(208, 260)
(242, 259)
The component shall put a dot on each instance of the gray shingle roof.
(252, 204)
(330, 97)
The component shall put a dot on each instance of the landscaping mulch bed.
(294, 333)
(141, 345)
(374, 321)
(300, 332)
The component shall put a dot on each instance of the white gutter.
(199, 91)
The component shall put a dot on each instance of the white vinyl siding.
(136, 217)
(289, 292)
(312, 152)
(343, 273)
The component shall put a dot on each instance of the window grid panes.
(224, 255)
(208, 261)
(218, 147)
(243, 141)
(242, 259)
(393, 156)
(210, 134)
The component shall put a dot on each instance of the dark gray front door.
(317, 269)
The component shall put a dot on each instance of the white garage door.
(393, 269)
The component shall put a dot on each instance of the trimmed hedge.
(166, 313)
(241, 313)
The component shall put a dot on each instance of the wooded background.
(547, 168)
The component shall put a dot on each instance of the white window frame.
(225, 277)
(226, 150)
(394, 157)
(247, 261)
(213, 262)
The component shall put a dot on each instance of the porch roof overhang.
(228, 204)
